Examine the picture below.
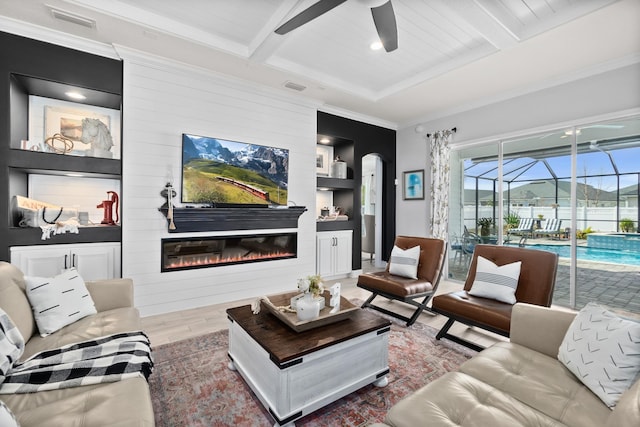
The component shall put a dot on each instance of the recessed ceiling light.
(377, 45)
(325, 140)
(75, 95)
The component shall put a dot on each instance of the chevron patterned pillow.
(603, 351)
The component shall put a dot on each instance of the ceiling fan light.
(376, 45)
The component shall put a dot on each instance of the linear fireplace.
(204, 252)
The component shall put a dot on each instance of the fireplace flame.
(212, 260)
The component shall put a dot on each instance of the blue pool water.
(594, 254)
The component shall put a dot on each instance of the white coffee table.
(294, 374)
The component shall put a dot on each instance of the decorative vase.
(307, 308)
(339, 168)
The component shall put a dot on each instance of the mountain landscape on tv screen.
(217, 171)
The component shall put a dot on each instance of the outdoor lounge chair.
(535, 285)
(551, 227)
(524, 228)
(416, 292)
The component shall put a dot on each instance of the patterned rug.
(191, 384)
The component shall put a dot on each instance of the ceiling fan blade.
(310, 13)
(385, 20)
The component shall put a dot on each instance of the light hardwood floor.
(176, 326)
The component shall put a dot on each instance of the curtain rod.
(452, 130)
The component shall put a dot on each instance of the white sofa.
(125, 403)
(516, 383)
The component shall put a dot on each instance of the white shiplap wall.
(164, 99)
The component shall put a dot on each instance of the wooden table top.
(284, 344)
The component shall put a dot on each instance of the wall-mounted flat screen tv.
(219, 172)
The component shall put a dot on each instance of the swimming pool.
(594, 254)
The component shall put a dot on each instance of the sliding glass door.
(573, 191)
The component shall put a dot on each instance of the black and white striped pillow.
(58, 301)
(404, 263)
(496, 282)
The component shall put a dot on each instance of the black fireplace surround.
(203, 252)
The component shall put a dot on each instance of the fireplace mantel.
(189, 220)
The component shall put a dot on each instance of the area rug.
(191, 384)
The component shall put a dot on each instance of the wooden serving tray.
(291, 319)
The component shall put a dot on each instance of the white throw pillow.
(404, 263)
(496, 282)
(603, 351)
(58, 301)
(7, 419)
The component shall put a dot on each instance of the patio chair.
(535, 284)
(464, 245)
(417, 290)
(524, 227)
(551, 228)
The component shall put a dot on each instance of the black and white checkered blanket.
(107, 359)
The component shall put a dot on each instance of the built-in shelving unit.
(340, 191)
(352, 140)
(31, 68)
(333, 259)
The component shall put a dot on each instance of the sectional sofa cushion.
(539, 382)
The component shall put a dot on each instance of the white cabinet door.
(94, 261)
(333, 253)
(324, 254)
(41, 261)
(343, 250)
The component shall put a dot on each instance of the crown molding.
(554, 127)
(59, 38)
(347, 114)
(545, 84)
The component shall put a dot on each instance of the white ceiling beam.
(266, 41)
(488, 26)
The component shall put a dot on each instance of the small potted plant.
(309, 303)
(485, 226)
(626, 225)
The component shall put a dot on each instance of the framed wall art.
(323, 159)
(68, 122)
(413, 185)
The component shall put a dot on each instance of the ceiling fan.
(383, 18)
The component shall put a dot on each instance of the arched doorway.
(371, 210)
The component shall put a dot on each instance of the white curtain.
(440, 177)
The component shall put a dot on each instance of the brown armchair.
(430, 265)
(535, 286)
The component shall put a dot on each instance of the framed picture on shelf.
(68, 122)
(323, 159)
(413, 185)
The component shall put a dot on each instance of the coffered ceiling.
(451, 54)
